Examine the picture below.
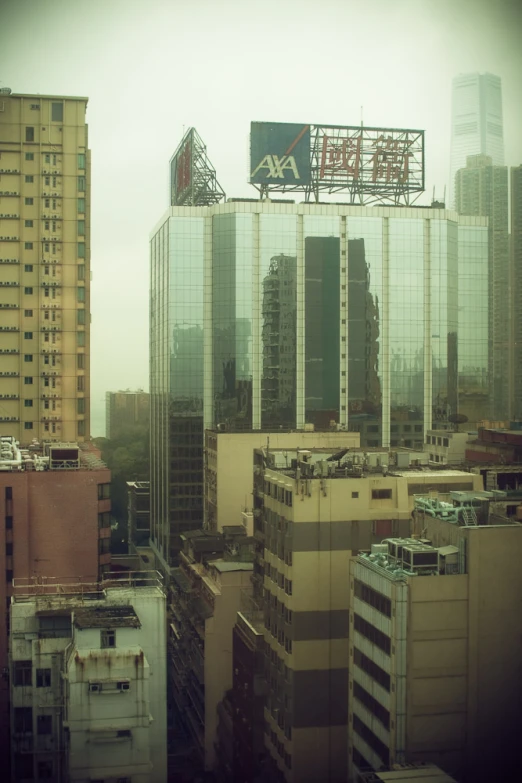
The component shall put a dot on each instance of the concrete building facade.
(434, 645)
(88, 678)
(309, 519)
(56, 519)
(45, 206)
(446, 447)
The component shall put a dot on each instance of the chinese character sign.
(390, 159)
(340, 155)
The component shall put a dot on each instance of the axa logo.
(274, 167)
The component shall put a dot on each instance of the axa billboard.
(279, 153)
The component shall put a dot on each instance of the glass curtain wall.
(232, 320)
(473, 322)
(322, 267)
(444, 317)
(406, 328)
(185, 379)
(365, 329)
(278, 324)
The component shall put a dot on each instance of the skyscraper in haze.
(44, 267)
(476, 122)
(482, 189)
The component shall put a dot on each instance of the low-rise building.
(229, 463)
(56, 506)
(313, 510)
(446, 447)
(435, 672)
(87, 671)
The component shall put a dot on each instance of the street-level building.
(87, 666)
(45, 268)
(446, 447)
(435, 672)
(313, 510)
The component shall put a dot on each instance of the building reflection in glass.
(278, 335)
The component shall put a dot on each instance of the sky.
(152, 69)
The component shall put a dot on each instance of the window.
(28, 380)
(81, 183)
(29, 178)
(29, 202)
(81, 249)
(81, 205)
(23, 673)
(28, 245)
(23, 720)
(43, 678)
(80, 317)
(81, 271)
(372, 740)
(28, 267)
(80, 364)
(45, 770)
(81, 294)
(8, 550)
(9, 523)
(355, 494)
(445, 441)
(44, 724)
(80, 383)
(107, 638)
(80, 428)
(29, 133)
(104, 520)
(28, 335)
(381, 494)
(81, 160)
(104, 491)
(28, 223)
(80, 339)
(57, 112)
(124, 685)
(28, 313)
(372, 633)
(8, 575)
(81, 228)
(29, 155)
(371, 668)
(28, 357)
(28, 425)
(28, 403)
(81, 405)
(8, 493)
(372, 597)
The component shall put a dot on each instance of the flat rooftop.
(106, 617)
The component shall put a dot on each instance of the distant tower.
(516, 287)
(476, 122)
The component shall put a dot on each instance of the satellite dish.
(457, 418)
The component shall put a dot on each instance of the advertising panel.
(279, 153)
(181, 171)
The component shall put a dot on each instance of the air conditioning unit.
(420, 558)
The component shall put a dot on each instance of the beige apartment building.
(44, 267)
(435, 672)
(229, 462)
(445, 447)
(312, 511)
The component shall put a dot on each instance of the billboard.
(370, 164)
(181, 171)
(279, 153)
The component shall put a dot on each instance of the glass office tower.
(277, 315)
(476, 122)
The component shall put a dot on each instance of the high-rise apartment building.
(125, 409)
(434, 669)
(482, 189)
(476, 121)
(44, 267)
(516, 288)
(382, 332)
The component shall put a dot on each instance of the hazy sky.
(151, 69)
